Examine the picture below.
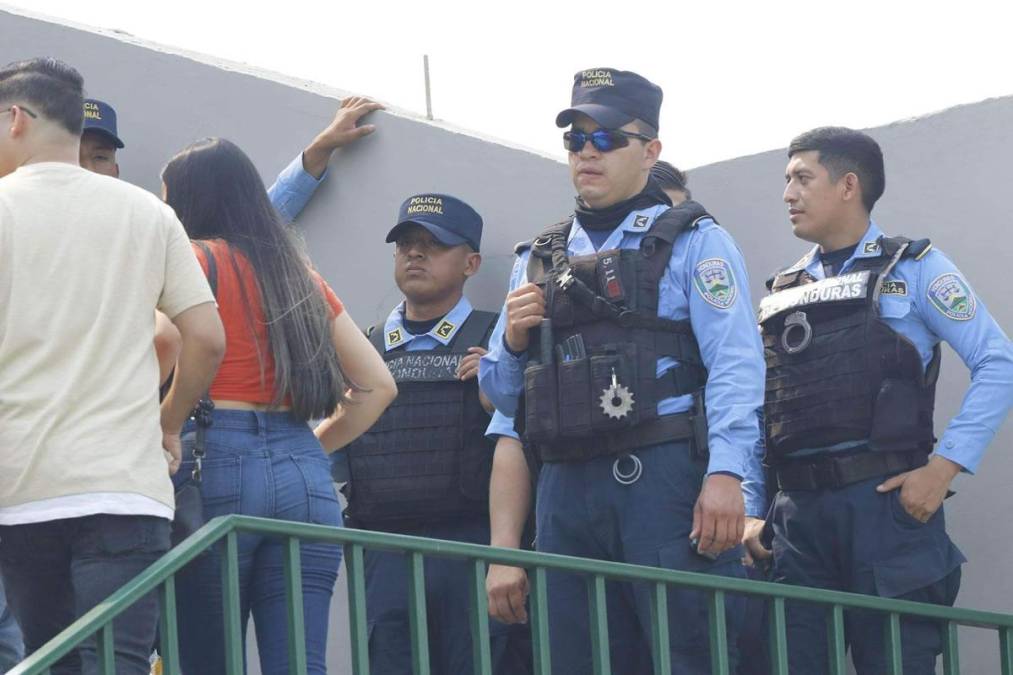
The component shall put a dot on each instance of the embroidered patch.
(894, 288)
(715, 282)
(950, 295)
(870, 247)
(445, 329)
(395, 337)
(641, 222)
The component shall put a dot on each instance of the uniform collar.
(395, 335)
(635, 222)
(868, 247)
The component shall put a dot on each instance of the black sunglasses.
(603, 140)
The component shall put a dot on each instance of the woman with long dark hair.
(292, 355)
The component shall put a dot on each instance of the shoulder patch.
(894, 287)
(715, 282)
(950, 295)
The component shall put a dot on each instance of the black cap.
(612, 98)
(100, 117)
(448, 219)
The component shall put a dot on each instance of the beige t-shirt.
(84, 261)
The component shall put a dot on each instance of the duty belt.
(834, 471)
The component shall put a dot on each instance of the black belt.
(833, 471)
(677, 427)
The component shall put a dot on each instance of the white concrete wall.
(946, 179)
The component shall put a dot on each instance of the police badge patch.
(445, 329)
(715, 282)
(949, 294)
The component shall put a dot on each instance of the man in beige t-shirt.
(85, 452)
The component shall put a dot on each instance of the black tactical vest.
(427, 457)
(590, 387)
(836, 372)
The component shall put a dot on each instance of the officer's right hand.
(525, 309)
(719, 517)
(173, 447)
(507, 588)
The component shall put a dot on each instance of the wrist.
(945, 467)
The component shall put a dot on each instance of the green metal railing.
(225, 530)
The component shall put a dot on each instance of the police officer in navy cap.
(423, 469)
(852, 335)
(628, 353)
(99, 138)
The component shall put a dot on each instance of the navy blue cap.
(448, 219)
(99, 116)
(612, 98)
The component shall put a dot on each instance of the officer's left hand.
(468, 368)
(719, 517)
(923, 490)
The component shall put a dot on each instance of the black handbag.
(189, 514)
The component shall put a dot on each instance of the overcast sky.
(738, 78)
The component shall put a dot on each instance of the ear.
(19, 123)
(851, 187)
(652, 151)
(473, 264)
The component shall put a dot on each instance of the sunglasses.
(603, 140)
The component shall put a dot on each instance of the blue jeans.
(12, 648)
(858, 540)
(268, 465)
(58, 570)
(582, 510)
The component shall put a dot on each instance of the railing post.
(718, 634)
(659, 630)
(419, 627)
(230, 601)
(168, 628)
(895, 666)
(778, 638)
(599, 626)
(951, 650)
(106, 650)
(479, 609)
(836, 646)
(1006, 650)
(539, 608)
(293, 596)
(355, 570)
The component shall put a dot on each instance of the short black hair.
(49, 87)
(844, 151)
(668, 177)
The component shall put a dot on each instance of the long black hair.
(218, 194)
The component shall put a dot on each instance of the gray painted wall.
(945, 181)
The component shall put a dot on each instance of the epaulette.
(522, 246)
(917, 248)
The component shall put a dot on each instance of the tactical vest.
(591, 385)
(836, 372)
(427, 457)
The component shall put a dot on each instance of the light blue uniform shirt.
(706, 281)
(442, 334)
(293, 189)
(931, 302)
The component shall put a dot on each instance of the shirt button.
(950, 444)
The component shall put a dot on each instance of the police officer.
(423, 469)
(852, 336)
(672, 180)
(99, 139)
(623, 325)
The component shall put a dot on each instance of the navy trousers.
(858, 540)
(582, 510)
(447, 610)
